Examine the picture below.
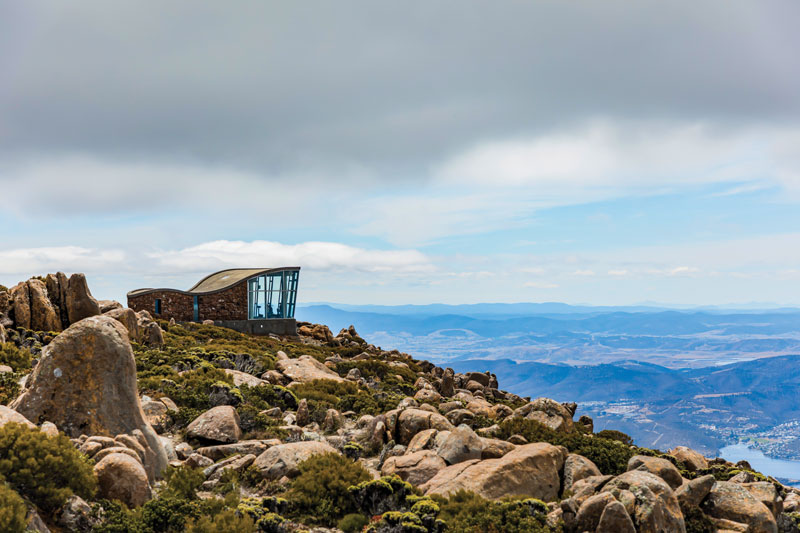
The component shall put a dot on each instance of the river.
(778, 468)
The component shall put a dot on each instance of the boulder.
(303, 416)
(43, 316)
(156, 414)
(690, 494)
(243, 378)
(422, 440)
(447, 385)
(461, 444)
(591, 510)
(76, 515)
(120, 477)
(282, 460)
(692, 460)
(416, 468)
(151, 334)
(656, 508)
(218, 424)
(85, 383)
(107, 305)
(615, 519)
(531, 470)
(2, 332)
(412, 421)
(126, 317)
(21, 305)
(583, 488)
(659, 467)
(578, 467)
(548, 412)
(80, 303)
(495, 448)
(9, 415)
(765, 492)
(305, 368)
(732, 501)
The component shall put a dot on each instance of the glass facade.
(272, 295)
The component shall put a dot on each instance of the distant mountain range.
(655, 373)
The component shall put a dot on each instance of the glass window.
(272, 295)
(158, 306)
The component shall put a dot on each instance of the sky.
(456, 151)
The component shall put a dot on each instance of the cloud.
(326, 256)
(612, 158)
(30, 261)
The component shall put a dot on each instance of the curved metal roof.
(221, 280)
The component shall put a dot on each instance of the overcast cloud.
(400, 139)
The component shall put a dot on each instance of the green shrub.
(378, 496)
(17, 358)
(228, 521)
(45, 469)
(466, 512)
(353, 523)
(320, 492)
(183, 482)
(167, 514)
(613, 434)
(9, 386)
(610, 456)
(12, 510)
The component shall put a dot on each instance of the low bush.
(227, 521)
(183, 482)
(466, 512)
(320, 493)
(47, 470)
(353, 523)
(610, 456)
(9, 386)
(613, 434)
(17, 358)
(12, 510)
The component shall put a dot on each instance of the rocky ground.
(114, 422)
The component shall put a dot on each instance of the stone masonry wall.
(173, 305)
(230, 304)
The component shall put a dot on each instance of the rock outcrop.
(218, 424)
(120, 477)
(85, 383)
(305, 368)
(282, 460)
(531, 470)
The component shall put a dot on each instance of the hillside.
(114, 422)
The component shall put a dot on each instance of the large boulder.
(416, 468)
(732, 501)
(126, 317)
(578, 467)
(766, 493)
(43, 315)
(692, 460)
(282, 460)
(531, 470)
(656, 508)
(21, 305)
(461, 444)
(412, 421)
(659, 467)
(218, 424)
(243, 378)
(79, 300)
(548, 412)
(305, 368)
(85, 383)
(9, 415)
(693, 492)
(615, 519)
(121, 477)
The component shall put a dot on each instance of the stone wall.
(230, 304)
(174, 304)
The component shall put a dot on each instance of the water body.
(778, 468)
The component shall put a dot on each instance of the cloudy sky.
(454, 151)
